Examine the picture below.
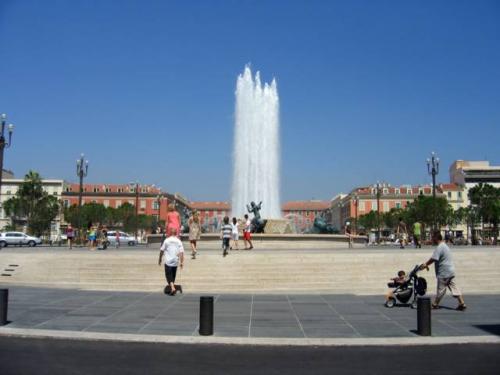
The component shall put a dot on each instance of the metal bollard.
(424, 316)
(4, 302)
(206, 316)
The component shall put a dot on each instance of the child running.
(226, 231)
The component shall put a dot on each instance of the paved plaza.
(242, 315)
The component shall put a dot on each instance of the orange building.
(211, 214)
(151, 200)
(303, 213)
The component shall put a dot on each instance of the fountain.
(256, 146)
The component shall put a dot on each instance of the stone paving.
(242, 315)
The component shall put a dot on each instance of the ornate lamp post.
(159, 198)
(4, 144)
(433, 170)
(378, 186)
(356, 203)
(135, 185)
(82, 168)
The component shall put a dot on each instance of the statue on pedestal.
(258, 223)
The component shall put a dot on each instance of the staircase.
(358, 271)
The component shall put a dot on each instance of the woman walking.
(173, 220)
(194, 232)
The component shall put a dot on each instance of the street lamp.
(4, 144)
(159, 198)
(135, 185)
(82, 168)
(433, 170)
(378, 186)
(356, 203)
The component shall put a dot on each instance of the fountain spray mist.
(256, 146)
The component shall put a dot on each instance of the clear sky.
(146, 88)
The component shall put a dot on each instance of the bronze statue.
(257, 223)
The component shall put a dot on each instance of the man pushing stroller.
(445, 272)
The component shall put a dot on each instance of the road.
(53, 356)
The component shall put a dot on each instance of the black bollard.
(206, 316)
(4, 302)
(424, 316)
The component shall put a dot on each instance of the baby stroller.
(412, 287)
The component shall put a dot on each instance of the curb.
(252, 341)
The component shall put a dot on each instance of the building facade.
(302, 214)
(211, 214)
(360, 201)
(470, 173)
(10, 186)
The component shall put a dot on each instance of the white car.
(125, 238)
(18, 238)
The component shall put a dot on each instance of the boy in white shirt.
(171, 252)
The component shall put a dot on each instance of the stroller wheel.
(391, 302)
(414, 304)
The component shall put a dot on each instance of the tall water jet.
(256, 146)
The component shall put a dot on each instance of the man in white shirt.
(172, 252)
(445, 272)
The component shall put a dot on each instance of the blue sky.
(146, 88)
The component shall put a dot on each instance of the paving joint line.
(296, 316)
(116, 312)
(341, 317)
(160, 313)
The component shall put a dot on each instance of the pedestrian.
(347, 232)
(104, 238)
(194, 232)
(417, 232)
(247, 235)
(234, 235)
(225, 233)
(445, 272)
(173, 220)
(117, 239)
(92, 236)
(172, 254)
(402, 233)
(70, 235)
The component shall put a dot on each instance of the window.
(385, 191)
(374, 205)
(143, 204)
(131, 202)
(118, 203)
(398, 204)
(106, 203)
(96, 190)
(396, 191)
(361, 205)
(66, 203)
(386, 207)
(144, 190)
(108, 190)
(449, 195)
(68, 189)
(420, 191)
(120, 190)
(155, 205)
(8, 192)
(54, 193)
(459, 195)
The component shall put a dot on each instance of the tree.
(33, 205)
(487, 200)
(125, 214)
(429, 211)
(368, 221)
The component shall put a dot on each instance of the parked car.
(125, 238)
(18, 238)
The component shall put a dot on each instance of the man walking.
(417, 232)
(402, 233)
(445, 272)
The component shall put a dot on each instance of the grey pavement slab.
(243, 315)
